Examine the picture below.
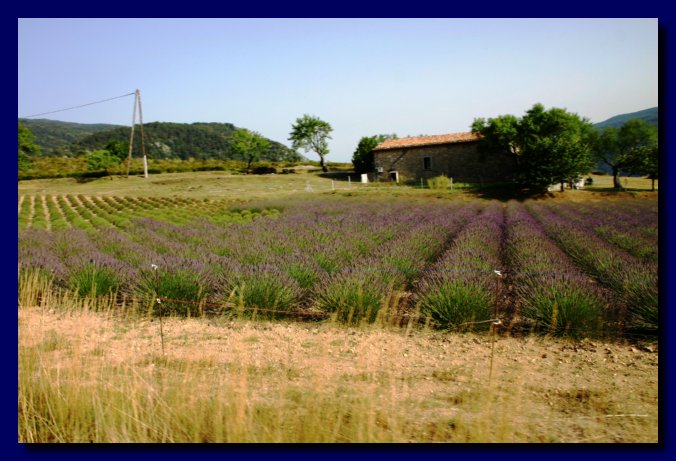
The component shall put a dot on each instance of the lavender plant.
(628, 277)
(459, 289)
(551, 292)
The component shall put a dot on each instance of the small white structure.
(364, 178)
(579, 184)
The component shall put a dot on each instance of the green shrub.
(643, 304)
(440, 182)
(177, 285)
(455, 305)
(564, 309)
(265, 291)
(304, 275)
(353, 298)
(94, 281)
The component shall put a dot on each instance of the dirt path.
(55, 201)
(29, 221)
(67, 199)
(45, 211)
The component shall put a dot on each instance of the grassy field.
(221, 185)
(106, 369)
(634, 184)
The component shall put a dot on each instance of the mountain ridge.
(163, 140)
(650, 115)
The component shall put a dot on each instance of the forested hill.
(164, 140)
(54, 134)
(649, 115)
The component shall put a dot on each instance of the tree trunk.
(562, 185)
(616, 180)
(322, 163)
(248, 166)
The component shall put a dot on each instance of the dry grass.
(605, 182)
(99, 375)
(208, 184)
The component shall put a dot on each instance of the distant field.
(222, 185)
(215, 184)
(629, 183)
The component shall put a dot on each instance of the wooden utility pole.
(137, 103)
(131, 138)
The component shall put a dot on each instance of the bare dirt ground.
(435, 384)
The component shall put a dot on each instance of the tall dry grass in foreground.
(94, 372)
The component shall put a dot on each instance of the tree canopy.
(632, 149)
(27, 142)
(250, 145)
(549, 146)
(362, 158)
(311, 133)
(102, 159)
(27, 148)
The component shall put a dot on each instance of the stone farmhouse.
(453, 155)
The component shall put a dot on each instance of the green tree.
(631, 149)
(27, 148)
(652, 163)
(118, 149)
(311, 134)
(362, 158)
(249, 145)
(102, 159)
(549, 146)
(25, 163)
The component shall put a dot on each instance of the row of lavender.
(348, 259)
(632, 227)
(334, 258)
(632, 279)
(92, 212)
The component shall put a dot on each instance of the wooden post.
(159, 303)
(131, 138)
(137, 102)
(143, 148)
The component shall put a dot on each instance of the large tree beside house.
(362, 158)
(311, 133)
(550, 146)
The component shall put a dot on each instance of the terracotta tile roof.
(427, 140)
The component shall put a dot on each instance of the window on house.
(427, 163)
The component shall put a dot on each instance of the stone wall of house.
(460, 161)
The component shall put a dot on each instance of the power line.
(77, 107)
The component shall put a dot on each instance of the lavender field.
(554, 267)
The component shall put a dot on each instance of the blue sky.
(363, 76)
